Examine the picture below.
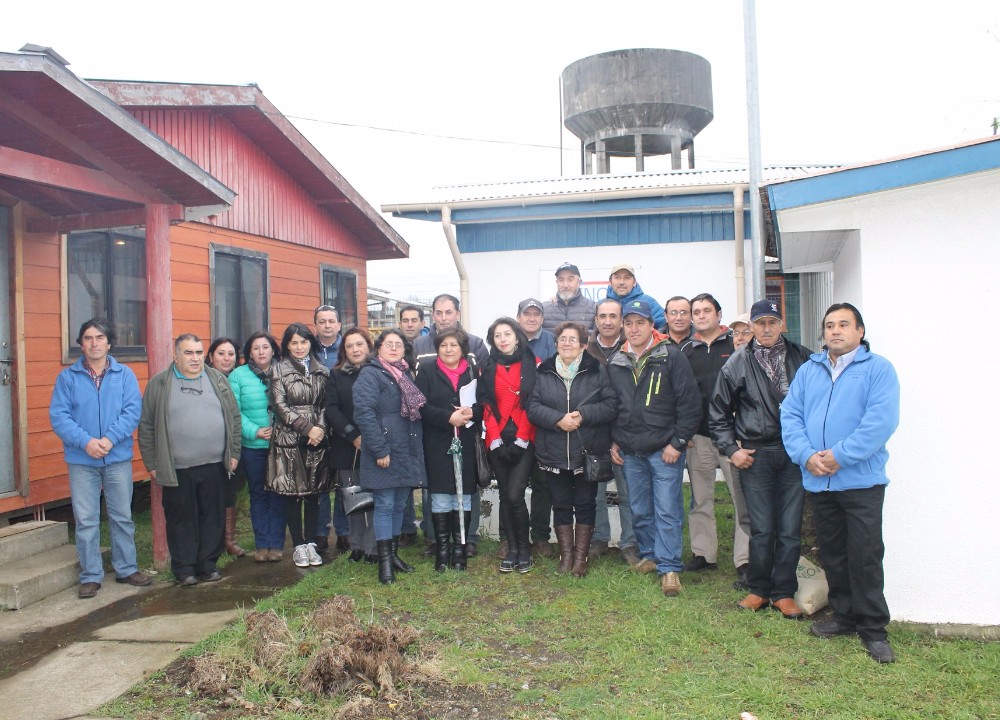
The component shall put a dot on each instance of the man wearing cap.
(659, 412)
(744, 420)
(569, 304)
(707, 351)
(530, 316)
(840, 412)
(623, 287)
(605, 342)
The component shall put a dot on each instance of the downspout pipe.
(463, 275)
(739, 242)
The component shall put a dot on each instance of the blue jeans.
(773, 490)
(443, 502)
(340, 524)
(388, 513)
(85, 484)
(471, 532)
(656, 496)
(267, 509)
(602, 525)
(409, 517)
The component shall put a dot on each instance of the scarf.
(507, 360)
(453, 375)
(255, 369)
(412, 398)
(568, 372)
(772, 359)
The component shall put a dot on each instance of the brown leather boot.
(564, 534)
(231, 547)
(582, 548)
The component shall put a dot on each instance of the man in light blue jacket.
(94, 410)
(841, 409)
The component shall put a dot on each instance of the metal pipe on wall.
(739, 242)
(463, 275)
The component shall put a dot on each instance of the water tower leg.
(602, 158)
(691, 155)
(588, 162)
(675, 153)
(640, 164)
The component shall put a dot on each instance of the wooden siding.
(269, 202)
(294, 272)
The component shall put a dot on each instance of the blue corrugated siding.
(597, 232)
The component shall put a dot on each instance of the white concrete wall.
(500, 280)
(847, 272)
(929, 263)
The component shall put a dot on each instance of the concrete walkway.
(64, 657)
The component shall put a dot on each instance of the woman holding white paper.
(445, 380)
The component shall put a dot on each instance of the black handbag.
(596, 466)
(356, 500)
(484, 471)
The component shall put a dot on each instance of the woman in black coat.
(444, 417)
(387, 412)
(572, 407)
(345, 438)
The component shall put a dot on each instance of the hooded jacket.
(79, 412)
(636, 293)
(658, 399)
(578, 308)
(744, 405)
(854, 416)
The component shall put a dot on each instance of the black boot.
(457, 546)
(397, 563)
(442, 531)
(385, 573)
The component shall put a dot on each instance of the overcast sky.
(839, 82)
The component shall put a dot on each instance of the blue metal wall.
(597, 231)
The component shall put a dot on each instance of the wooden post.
(159, 343)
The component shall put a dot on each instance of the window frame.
(242, 254)
(71, 351)
(341, 273)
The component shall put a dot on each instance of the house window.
(340, 289)
(239, 293)
(106, 278)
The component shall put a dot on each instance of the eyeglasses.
(325, 308)
(191, 389)
(393, 346)
(568, 341)
(678, 313)
(743, 333)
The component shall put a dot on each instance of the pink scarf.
(412, 398)
(455, 374)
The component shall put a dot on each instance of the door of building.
(6, 362)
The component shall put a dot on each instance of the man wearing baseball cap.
(531, 316)
(623, 287)
(569, 304)
(744, 421)
(659, 411)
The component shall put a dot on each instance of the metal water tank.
(637, 102)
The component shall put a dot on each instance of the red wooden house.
(168, 208)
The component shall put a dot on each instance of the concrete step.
(27, 539)
(34, 578)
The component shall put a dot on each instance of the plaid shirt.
(97, 378)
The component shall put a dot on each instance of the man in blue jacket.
(841, 409)
(94, 410)
(624, 287)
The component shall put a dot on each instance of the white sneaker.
(314, 558)
(300, 556)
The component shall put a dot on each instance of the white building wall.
(929, 262)
(500, 280)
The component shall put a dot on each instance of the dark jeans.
(234, 483)
(195, 515)
(773, 490)
(512, 482)
(572, 492)
(541, 506)
(302, 530)
(849, 534)
(340, 525)
(267, 509)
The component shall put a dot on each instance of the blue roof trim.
(580, 208)
(597, 231)
(892, 175)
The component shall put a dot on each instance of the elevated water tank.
(637, 103)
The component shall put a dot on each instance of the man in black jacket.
(659, 412)
(744, 420)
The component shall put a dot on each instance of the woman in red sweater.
(507, 380)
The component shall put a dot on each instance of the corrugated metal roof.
(568, 186)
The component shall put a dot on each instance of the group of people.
(550, 397)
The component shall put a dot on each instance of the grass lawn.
(608, 646)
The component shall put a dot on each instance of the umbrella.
(455, 450)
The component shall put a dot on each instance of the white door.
(6, 356)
